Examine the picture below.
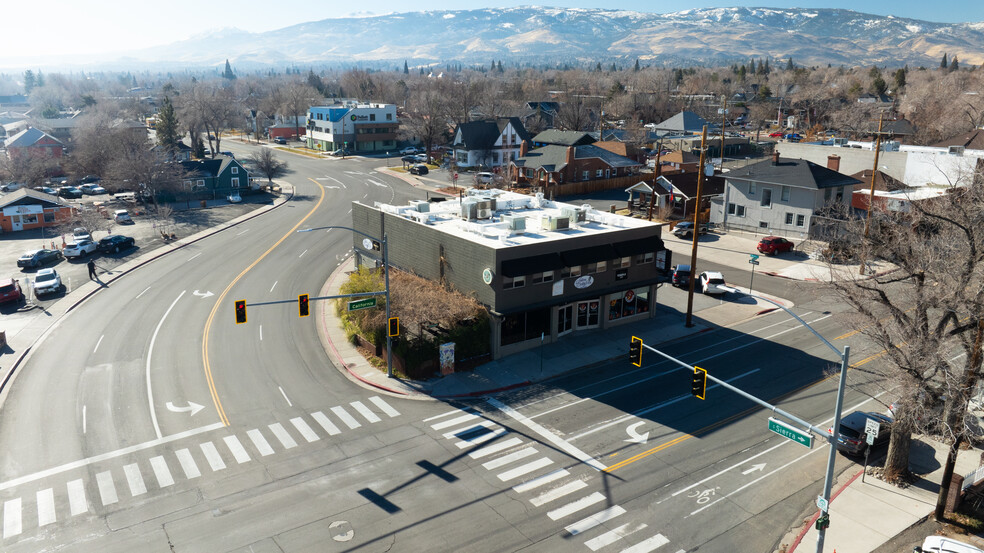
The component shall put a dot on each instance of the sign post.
(871, 428)
(753, 259)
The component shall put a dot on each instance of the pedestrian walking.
(92, 269)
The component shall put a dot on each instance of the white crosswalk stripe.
(325, 423)
(365, 412)
(647, 545)
(576, 506)
(495, 448)
(481, 438)
(345, 417)
(305, 430)
(134, 479)
(282, 435)
(469, 429)
(260, 442)
(236, 448)
(540, 480)
(107, 489)
(76, 497)
(161, 471)
(384, 407)
(525, 469)
(454, 422)
(12, 518)
(46, 506)
(510, 458)
(212, 456)
(590, 522)
(613, 536)
(558, 492)
(187, 464)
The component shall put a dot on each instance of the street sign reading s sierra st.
(790, 432)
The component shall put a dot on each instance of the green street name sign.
(791, 432)
(361, 304)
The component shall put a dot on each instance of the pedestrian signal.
(635, 351)
(240, 312)
(823, 521)
(699, 385)
(394, 326)
(303, 309)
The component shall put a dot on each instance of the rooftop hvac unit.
(483, 213)
(576, 214)
(956, 150)
(469, 211)
(840, 142)
(516, 223)
(891, 146)
(420, 205)
(556, 223)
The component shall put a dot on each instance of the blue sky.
(92, 26)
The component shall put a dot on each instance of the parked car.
(685, 229)
(115, 242)
(341, 152)
(47, 281)
(92, 189)
(483, 178)
(230, 154)
(280, 140)
(80, 233)
(10, 290)
(419, 170)
(408, 151)
(46, 190)
(79, 248)
(680, 275)
(771, 245)
(777, 134)
(234, 198)
(11, 186)
(37, 258)
(793, 137)
(122, 216)
(409, 159)
(421, 158)
(88, 179)
(945, 544)
(69, 192)
(852, 440)
(712, 283)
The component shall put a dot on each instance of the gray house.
(780, 196)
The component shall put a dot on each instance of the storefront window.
(529, 325)
(628, 303)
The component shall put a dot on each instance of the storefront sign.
(487, 276)
(584, 282)
(23, 210)
(558, 288)
(621, 274)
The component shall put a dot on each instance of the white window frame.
(751, 189)
(235, 182)
(785, 194)
(789, 218)
(585, 175)
(598, 173)
(546, 276)
(235, 170)
(621, 262)
(510, 283)
(568, 272)
(644, 258)
(766, 197)
(801, 220)
(200, 183)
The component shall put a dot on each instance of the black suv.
(419, 170)
(114, 243)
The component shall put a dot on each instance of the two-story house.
(359, 128)
(490, 143)
(220, 176)
(554, 164)
(780, 196)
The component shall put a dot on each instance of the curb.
(816, 515)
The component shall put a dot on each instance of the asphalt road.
(106, 447)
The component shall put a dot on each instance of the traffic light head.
(394, 326)
(303, 308)
(823, 521)
(699, 384)
(635, 351)
(240, 311)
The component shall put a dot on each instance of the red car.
(771, 245)
(10, 290)
(775, 135)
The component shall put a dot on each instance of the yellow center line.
(218, 302)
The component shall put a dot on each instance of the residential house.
(781, 196)
(288, 127)
(182, 152)
(973, 140)
(218, 177)
(362, 128)
(555, 164)
(26, 209)
(683, 123)
(679, 161)
(562, 138)
(34, 143)
(683, 192)
(623, 149)
(489, 143)
(540, 115)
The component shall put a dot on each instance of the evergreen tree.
(614, 69)
(598, 67)
(751, 66)
(39, 79)
(500, 66)
(168, 135)
(943, 62)
(636, 68)
(899, 79)
(741, 73)
(492, 69)
(766, 70)
(29, 82)
(789, 64)
(878, 86)
(954, 65)
(228, 74)
(406, 68)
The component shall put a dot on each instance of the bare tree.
(574, 114)
(424, 120)
(297, 98)
(266, 162)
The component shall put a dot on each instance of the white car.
(408, 151)
(92, 189)
(47, 281)
(712, 282)
(421, 158)
(79, 248)
(122, 216)
(80, 233)
(234, 198)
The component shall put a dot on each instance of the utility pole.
(871, 192)
(656, 173)
(724, 121)
(693, 250)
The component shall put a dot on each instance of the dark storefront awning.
(531, 265)
(639, 246)
(592, 254)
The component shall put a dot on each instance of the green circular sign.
(353, 117)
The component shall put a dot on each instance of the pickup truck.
(685, 229)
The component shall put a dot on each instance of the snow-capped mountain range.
(540, 35)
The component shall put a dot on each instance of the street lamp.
(386, 279)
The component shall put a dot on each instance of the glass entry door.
(587, 314)
(565, 319)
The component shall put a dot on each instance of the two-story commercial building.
(361, 128)
(543, 269)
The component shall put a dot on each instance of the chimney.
(834, 162)
(523, 148)
(775, 158)
(570, 156)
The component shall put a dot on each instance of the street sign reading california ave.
(795, 434)
(361, 304)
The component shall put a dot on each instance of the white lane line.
(187, 463)
(150, 352)
(12, 518)
(243, 232)
(558, 492)
(562, 444)
(106, 456)
(586, 524)
(481, 438)
(83, 419)
(454, 422)
(305, 430)
(540, 480)
(613, 535)
(469, 429)
(302, 254)
(496, 447)
(274, 285)
(325, 423)
(194, 256)
(237, 449)
(648, 544)
(46, 507)
(348, 419)
(76, 497)
(650, 409)
(107, 490)
(137, 297)
(576, 506)
(212, 456)
(525, 469)
(261, 335)
(384, 407)
(448, 413)
(365, 412)
(99, 341)
(282, 435)
(161, 471)
(282, 392)
(506, 459)
(134, 479)
(260, 442)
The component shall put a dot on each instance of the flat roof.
(494, 231)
